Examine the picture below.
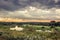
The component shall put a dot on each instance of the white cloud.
(56, 1)
(31, 12)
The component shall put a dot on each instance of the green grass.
(7, 32)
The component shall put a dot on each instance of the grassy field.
(30, 34)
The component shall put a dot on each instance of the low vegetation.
(29, 33)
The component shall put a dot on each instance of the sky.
(30, 9)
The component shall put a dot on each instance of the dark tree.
(52, 24)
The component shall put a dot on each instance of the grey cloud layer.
(20, 9)
(18, 4)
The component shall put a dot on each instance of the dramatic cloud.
(30, 9)
(18, 4)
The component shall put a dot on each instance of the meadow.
(30, 33)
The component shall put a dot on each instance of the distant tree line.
(32, 23)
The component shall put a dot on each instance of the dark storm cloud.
(18, 4)
(30, 9)
(12, 4)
